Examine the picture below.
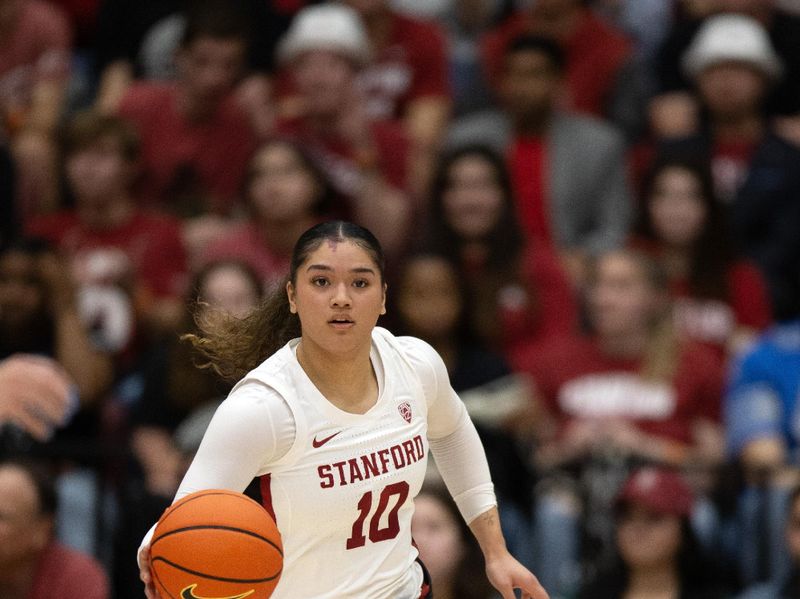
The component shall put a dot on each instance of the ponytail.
(232, 346)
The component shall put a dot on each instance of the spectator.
(195, 138)
(517, 289)
(594, 81)
(657, 551)
(34, 70)
(788, 586)
(674, 111)
(407, 79)
(129, 262)
(39, 315)
(732, 62)
(8, 209)
(760, 409)
(32, 563)
(365, 160)
(568, 171)
(718, 300)
(285, 194)
(447, 548)
(630, 392)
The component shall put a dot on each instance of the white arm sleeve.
(253, 428)
(454, 442)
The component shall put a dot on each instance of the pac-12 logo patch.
(405, 411)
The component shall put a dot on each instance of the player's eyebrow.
(357, 269)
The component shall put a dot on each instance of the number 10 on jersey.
(396, 493)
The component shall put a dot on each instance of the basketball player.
(337, 423)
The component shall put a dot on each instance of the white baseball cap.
(730, 37)
(332, 27)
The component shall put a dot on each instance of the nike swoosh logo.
(188, 593)
(319, 443)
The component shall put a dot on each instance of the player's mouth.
(341, 322)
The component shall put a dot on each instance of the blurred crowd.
(591, 209)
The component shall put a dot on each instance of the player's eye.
(320, 282)
(360, 283)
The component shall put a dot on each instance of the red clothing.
(337, 157)
(38, 48)
(713, 322)
(246, 243)
(577, 381)
(147, 248)
(181, 157)
(412, 65)
(68, 574)
(528, 166)
(595, 52)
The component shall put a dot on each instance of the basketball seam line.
(218, 578)
(217, 527)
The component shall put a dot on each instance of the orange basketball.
(216, 544)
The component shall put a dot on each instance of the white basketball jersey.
(343, 495)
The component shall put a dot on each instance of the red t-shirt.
(528, 165)
(712, 322)
(38, 48)
(246, 243)
(595, 52)
(68, 574)
(577, 381)
(148, 249)
(210, 157)
(413, 64)
(337, 157)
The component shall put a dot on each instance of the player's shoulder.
(412, 348)
(273, 373)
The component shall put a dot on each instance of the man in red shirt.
(407, 79)
(123, 257)
(596, 53)
(195, 138)
(33, 565)
(365, 159)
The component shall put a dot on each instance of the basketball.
(216, 544)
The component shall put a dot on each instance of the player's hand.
(146, 574)
(506, 574)
(34, 394)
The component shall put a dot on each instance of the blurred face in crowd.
(98, 172)
(229, 289)
(646, 538)
(24, 530)
(282, 187)
(9, 11)
(429, 298)
(529, 87)
(550, 8)
(473, 199)
(621, 299)
(731, 90)
(21, 290)
(749, 7)
(676, 207)
(325, 79)
(793, 531)
(209, 67)
(437, 536)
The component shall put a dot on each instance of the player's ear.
(290, 296)
(383, 301)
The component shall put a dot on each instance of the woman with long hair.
(719, 299)
(518, 292)
(321, 385)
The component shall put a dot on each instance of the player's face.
(648, 539)
(676, 207)
(437, 536)
(23, 531)
(621, 299)
(338, 295)
(282, 189)
(473, 198)
(428, 298)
